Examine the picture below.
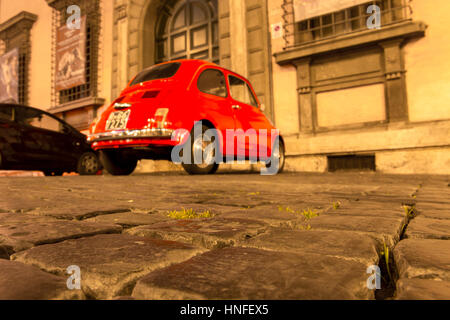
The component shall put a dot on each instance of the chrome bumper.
(131, 134)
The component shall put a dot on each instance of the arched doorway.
(188, 30)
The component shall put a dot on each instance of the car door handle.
(236, 106)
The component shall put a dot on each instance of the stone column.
(305, 104)
(397, 108)
(120, 44)
(238, 35)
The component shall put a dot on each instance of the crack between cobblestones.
(389, 282)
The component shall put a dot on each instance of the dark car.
(32, 139)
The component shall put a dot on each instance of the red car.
(181, 109)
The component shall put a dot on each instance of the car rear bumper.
(133, 139)
(131, 134)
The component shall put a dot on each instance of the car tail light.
(161, 117)
(150, 94)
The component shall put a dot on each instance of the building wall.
(337, 120)
(341, 117)
(286, 111)
(40, 75)
(427, 62)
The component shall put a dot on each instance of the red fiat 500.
(180, 109)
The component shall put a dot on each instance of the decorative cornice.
(394, 75)
(403, 30)
(20, 22)
(304, 90)
(78, 104)
(120, 12)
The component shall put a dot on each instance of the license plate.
(118, 120)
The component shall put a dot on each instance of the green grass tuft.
(189, 214)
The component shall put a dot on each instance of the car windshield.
(157, 72)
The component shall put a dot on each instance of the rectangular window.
(91, 10)
(351, 162)
(349, 20)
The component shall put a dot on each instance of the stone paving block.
(23, 231)
(79, 210)
(342, 244)
(368, 208)
(269, 215)
(248, 273)
(433, 210)
(440, 196)
(110, 264)
(422, 289)
(423, 258)
(130, 219)
(19, 281)
(382, 229)
(208, 233)
(426, 228)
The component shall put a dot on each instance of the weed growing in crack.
(305, 215)
(189, 214)
(410, 211)
(336, 205)
(387, 266)
(385, 254)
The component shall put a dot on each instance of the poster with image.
(9, 76)
(71, 56)
(306, 9)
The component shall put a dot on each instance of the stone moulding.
(408, 29)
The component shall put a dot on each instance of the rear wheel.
(117, 163)
(201, 144)
(88, 164)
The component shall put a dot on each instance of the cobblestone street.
(291, 236)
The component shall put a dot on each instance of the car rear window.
(157, 72)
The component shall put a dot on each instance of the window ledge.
(408, 29)
(78, 104)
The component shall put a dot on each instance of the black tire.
(116, 164)
(282, 157)
(88, 164)
(193, 168)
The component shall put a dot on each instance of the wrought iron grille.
(92, 10)
(353, 19)
(23, 76)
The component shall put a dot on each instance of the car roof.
(23, 106)
(2, 105)
(195, 64)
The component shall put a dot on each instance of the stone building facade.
(343, 95)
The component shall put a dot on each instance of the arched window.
(188, 31)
